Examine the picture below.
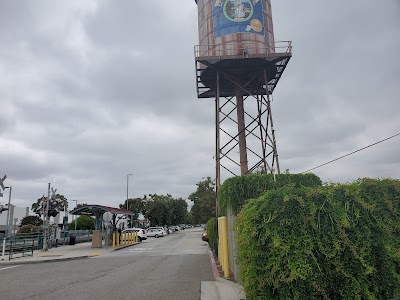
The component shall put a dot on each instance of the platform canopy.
(92, 209)
(98, 211)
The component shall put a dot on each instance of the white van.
(142, 235)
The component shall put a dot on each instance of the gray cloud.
(93, 90)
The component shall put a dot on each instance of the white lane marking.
(10, 267)
(141, 249)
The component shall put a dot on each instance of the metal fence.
(21, 245)
(24, 244)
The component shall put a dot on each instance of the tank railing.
(244, 50)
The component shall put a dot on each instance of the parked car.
(156, 232)
(175, 228)
(142, 235)
(204, 236)
(160, 227)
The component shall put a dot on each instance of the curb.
(214, 267)
(44, 261)
(15, 262)
(124, 246)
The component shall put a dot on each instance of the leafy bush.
(29, 228)
(82, 223)
(33, 220)
(212, 232)
(332, 242)
(235, 191)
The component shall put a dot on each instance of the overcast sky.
(93, 90)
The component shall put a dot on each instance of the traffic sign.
(107, 216)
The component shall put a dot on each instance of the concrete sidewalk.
(220, 288)
(67, 252)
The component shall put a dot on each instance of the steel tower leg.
(272, 137)
(217, 147)
(244, 168)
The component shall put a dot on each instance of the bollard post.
(113, 240)
(223, 246)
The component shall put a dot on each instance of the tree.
(38, 206)
(136, 205)
(204, 201)
(82, 223)
(178, 211)
(165, 210)
(157, 209)
(31, 220)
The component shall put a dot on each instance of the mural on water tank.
(237, 16)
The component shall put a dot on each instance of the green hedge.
(212, 232)
(235, 191)
(331, 242)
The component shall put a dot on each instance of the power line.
(351, 153)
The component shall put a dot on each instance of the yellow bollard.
(117, 238)
(223, 245)
(113, 240)
(136, 237)
(130, 238)
(220, 250)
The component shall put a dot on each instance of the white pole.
(8, 212)
(4, 248)
(75, 217)
(127, 195)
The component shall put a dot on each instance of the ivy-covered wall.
(327, 242)
(212, 233)
(235, 191)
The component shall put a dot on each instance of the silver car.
(156, 232)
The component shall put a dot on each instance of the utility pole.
(8, 211)
(46, 223)
(47, 231)
(127, 194)
(65, 219)
(76, 205)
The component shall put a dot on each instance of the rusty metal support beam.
(244, 168)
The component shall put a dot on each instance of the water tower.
(239, 64)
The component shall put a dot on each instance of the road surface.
(171, 267)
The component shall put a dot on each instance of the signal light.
(2, 208)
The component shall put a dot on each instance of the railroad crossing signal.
(52, 212)
(2, 185)
(53, 193)
(2, 208)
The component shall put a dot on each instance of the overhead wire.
(351, 153)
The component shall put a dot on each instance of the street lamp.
(76, 205)
(127, 194)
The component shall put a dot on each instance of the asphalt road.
(168, 268)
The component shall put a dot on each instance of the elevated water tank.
(235, 27)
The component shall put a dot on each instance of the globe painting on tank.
(235, 16)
